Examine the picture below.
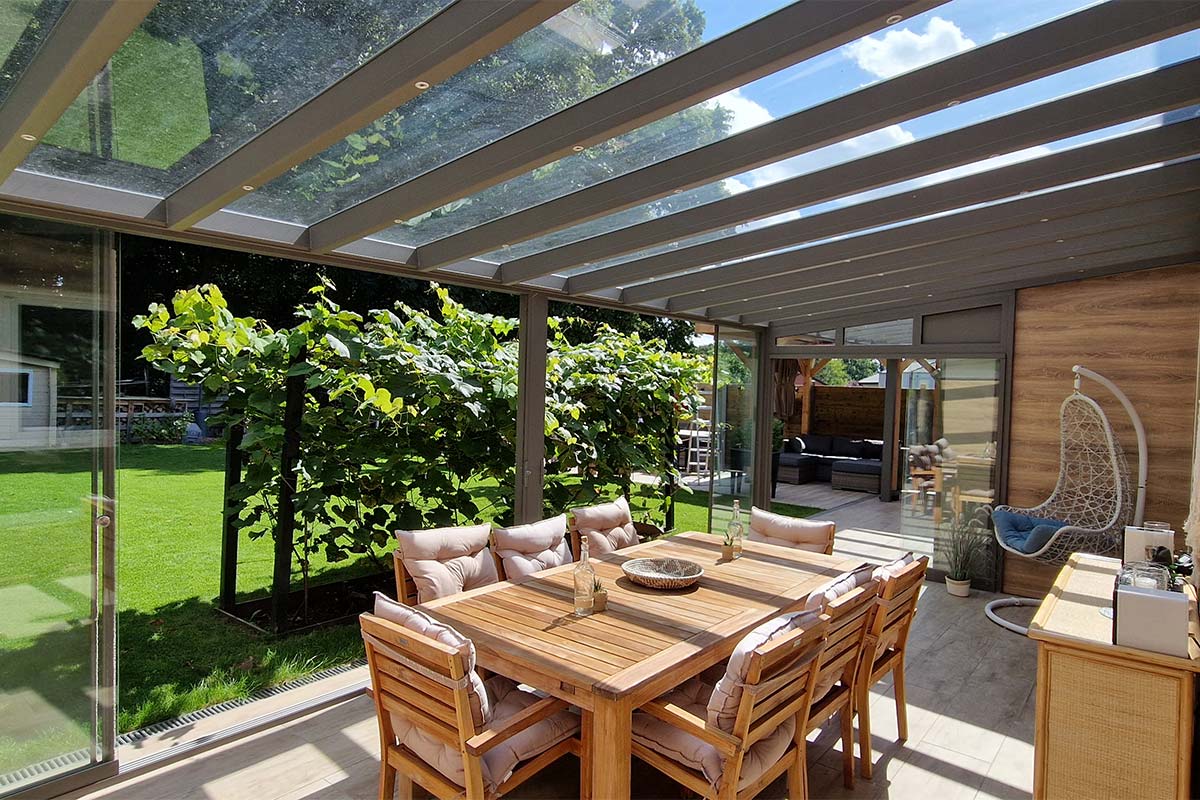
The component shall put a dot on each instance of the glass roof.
(24, 25)
(1115, 131)
(1082, 78)
(582, 51)
(907, 45)
(198, 79)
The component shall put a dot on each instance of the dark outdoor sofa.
(816, 457)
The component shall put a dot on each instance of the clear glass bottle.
(585, 581)
(735, 529)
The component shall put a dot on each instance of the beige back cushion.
(892, 569)
(608, 526)
(806, 534)
(444, 561)
(727, 694)
(845, 583)
(526, 549)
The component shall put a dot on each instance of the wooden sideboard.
(1111, 721)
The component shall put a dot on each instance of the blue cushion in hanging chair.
(1024, 533)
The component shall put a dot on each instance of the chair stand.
(1009, 602)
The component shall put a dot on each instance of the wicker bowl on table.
(663, 573)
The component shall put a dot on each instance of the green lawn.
(176, 653)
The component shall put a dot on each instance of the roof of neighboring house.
(24, 360)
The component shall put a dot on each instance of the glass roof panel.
(1116, 131)
(24, 25)
(589, 47)
(1082, 78)
(936, 34)
(198, 79)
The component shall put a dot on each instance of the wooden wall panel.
(852, 411)
(1138, 329)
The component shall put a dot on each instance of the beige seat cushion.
(693, 752)
(445, 561)
(608, 526)
(886, 572)
(526, 549)
(806, 534)
(819, 601)
(494, 701)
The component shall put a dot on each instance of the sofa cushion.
(608, 526)
(806, 534)
(526, 549)
(793, 444)
(695, 753)
(792, 459)
(847, 448)
(722, 706)
(444, 561)
(817, 443)
(871, 448)
(1025, 533)
(859, 466)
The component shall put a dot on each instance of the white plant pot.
(958, 588)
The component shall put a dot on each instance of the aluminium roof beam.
(1122, 101)
(81, 42)
(1056, 169)
(448, 42)
(780, 39)
(1006, 250)
(1090, 34)
(1142, 256)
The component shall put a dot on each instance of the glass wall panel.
(197, 80)
(821, 338)
(894, 332)
(580, 52)
(733, 443)
(55, 483)
(950, 433)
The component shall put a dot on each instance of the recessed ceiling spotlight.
(1044, 219)
(893, 19)
(929, 295)
(506, 245)
(677, 191)
(29, 137)
(422, 85)
(578, 148)
(953, 103)
(247, 187)
(1070, 258)
(397, 222)
(1058, 241)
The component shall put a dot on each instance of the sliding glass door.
(735, 364)
(57, 516)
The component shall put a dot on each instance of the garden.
(406, 421)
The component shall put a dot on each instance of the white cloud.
(901, 50)
(746, 112)
(986, 164)
(734, 186)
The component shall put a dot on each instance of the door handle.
(103, 521)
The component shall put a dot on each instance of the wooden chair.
(850, 616)
(424, 682)
(777, 690)
(406, 588)
(884, 647)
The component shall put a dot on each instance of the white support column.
(764, 419)
(531, 409)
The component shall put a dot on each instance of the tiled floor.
(970, 687)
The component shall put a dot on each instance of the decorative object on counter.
(1148, 612)
(599, 596)
(662, 573)
(1140, 540)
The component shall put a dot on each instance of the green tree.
(834, 373)
(859, 368)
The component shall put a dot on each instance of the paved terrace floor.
(971, 717)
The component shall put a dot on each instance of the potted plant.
(963, 546)
(599, 596)
(740, 449)
(727, 546)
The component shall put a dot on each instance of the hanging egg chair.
(1091, 503)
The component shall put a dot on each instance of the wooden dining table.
(646, 643)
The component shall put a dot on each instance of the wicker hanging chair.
(1092, 494)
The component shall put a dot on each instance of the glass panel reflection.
(894, 332)
(24, 25)
(198, 79)
(574, 55)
